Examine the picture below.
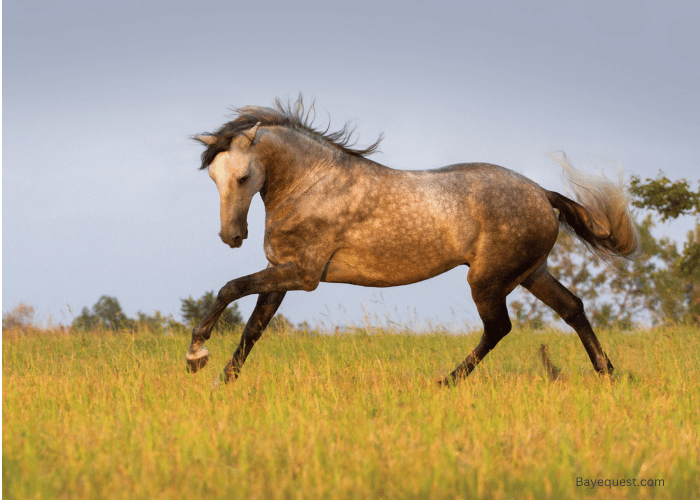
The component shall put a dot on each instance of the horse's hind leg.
(494, 313)
(265, 309)
(546, 288)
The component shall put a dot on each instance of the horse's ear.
(253, 134)
(207, 140)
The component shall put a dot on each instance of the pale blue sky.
(101, 192)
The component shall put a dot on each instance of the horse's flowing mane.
(294, 116)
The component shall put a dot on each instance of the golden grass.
(354, 415)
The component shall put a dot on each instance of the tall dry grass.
(354, 415)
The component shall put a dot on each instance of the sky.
(101, 193)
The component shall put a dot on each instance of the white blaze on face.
(238, 176)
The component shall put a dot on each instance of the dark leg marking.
(550, 291)
(265, 309)
(270, 281)
(494, 314)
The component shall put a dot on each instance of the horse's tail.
(600, 216)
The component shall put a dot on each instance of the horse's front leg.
(265, 309)
(271, 280)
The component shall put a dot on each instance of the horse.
(334, 215)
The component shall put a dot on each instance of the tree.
(155, 323)
(108, 310)
(670, 200)
(193, 311)
(106, 314)
(86, 321)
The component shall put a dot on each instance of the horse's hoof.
(197, 360)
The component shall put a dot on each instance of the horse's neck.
(291, 166)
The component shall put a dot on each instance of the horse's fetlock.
(199, 335)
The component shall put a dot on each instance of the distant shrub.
(21, 316)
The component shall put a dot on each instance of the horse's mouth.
(237, 241)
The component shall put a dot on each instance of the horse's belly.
(389, 268)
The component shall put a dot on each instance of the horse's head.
(238, 174)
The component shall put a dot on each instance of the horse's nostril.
(237, 241)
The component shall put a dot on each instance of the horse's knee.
(229, 290)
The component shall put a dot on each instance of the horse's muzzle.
(234, 241)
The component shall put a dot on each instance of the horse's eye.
(243, 179)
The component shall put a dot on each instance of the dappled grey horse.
(333, 215)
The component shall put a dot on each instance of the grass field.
(356, 415)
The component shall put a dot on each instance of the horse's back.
(489, 198)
